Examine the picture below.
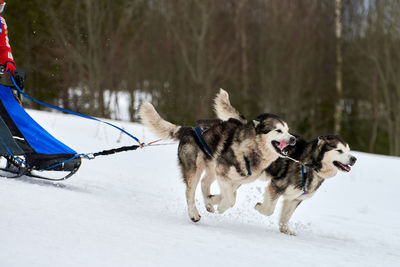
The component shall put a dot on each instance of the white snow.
(129, 210)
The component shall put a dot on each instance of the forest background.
(325, 66)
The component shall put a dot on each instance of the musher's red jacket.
(5, 48)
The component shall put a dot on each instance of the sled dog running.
(298, 176)
(230, 151)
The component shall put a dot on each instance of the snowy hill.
(129, 210)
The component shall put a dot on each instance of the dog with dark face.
(230, 151)
(297, 176)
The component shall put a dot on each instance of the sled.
(26, 148)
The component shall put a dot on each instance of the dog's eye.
(340, 151)
(279, 131)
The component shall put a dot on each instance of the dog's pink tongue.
(283, 144)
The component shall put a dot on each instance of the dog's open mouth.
(280, 147)
(341, 166)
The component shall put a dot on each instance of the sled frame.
(16, 170)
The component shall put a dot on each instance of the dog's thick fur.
(324, 156)
(231, 142)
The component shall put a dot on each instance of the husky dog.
(298, 176)
(230, 151)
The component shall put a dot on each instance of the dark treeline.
(280, 56)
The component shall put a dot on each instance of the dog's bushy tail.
(162, 128)
(224, 109)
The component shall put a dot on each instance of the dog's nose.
(353, 161)
(292, 141)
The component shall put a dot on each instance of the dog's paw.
(222, 208)
(210, 208)
(196, 218)
(261, 209)
(194, 215)
(287, 231)
(258, 207)
(212, 200)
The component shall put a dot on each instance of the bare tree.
(203, 49)
(378, 43)
(241, 12)
(88, 42)
(339, 71)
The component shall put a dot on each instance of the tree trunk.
(242, 36)
(374, 127)
(339, 71)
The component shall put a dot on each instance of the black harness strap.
(304, 178)
(199, 133)
(247, 165)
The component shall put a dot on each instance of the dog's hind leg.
(228, 195)
(213, 200)
(289, 206)
(192, 178)
(209, 178)
(270, 199)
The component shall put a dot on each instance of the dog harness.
(303, 173)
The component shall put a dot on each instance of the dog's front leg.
(228, 198)
(289, 206)
(270, 199)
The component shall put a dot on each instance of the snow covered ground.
(129, 210)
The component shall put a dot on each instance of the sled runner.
(27, 149)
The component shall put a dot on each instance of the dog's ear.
(256, 123)
(329, 140)
(321, 140)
